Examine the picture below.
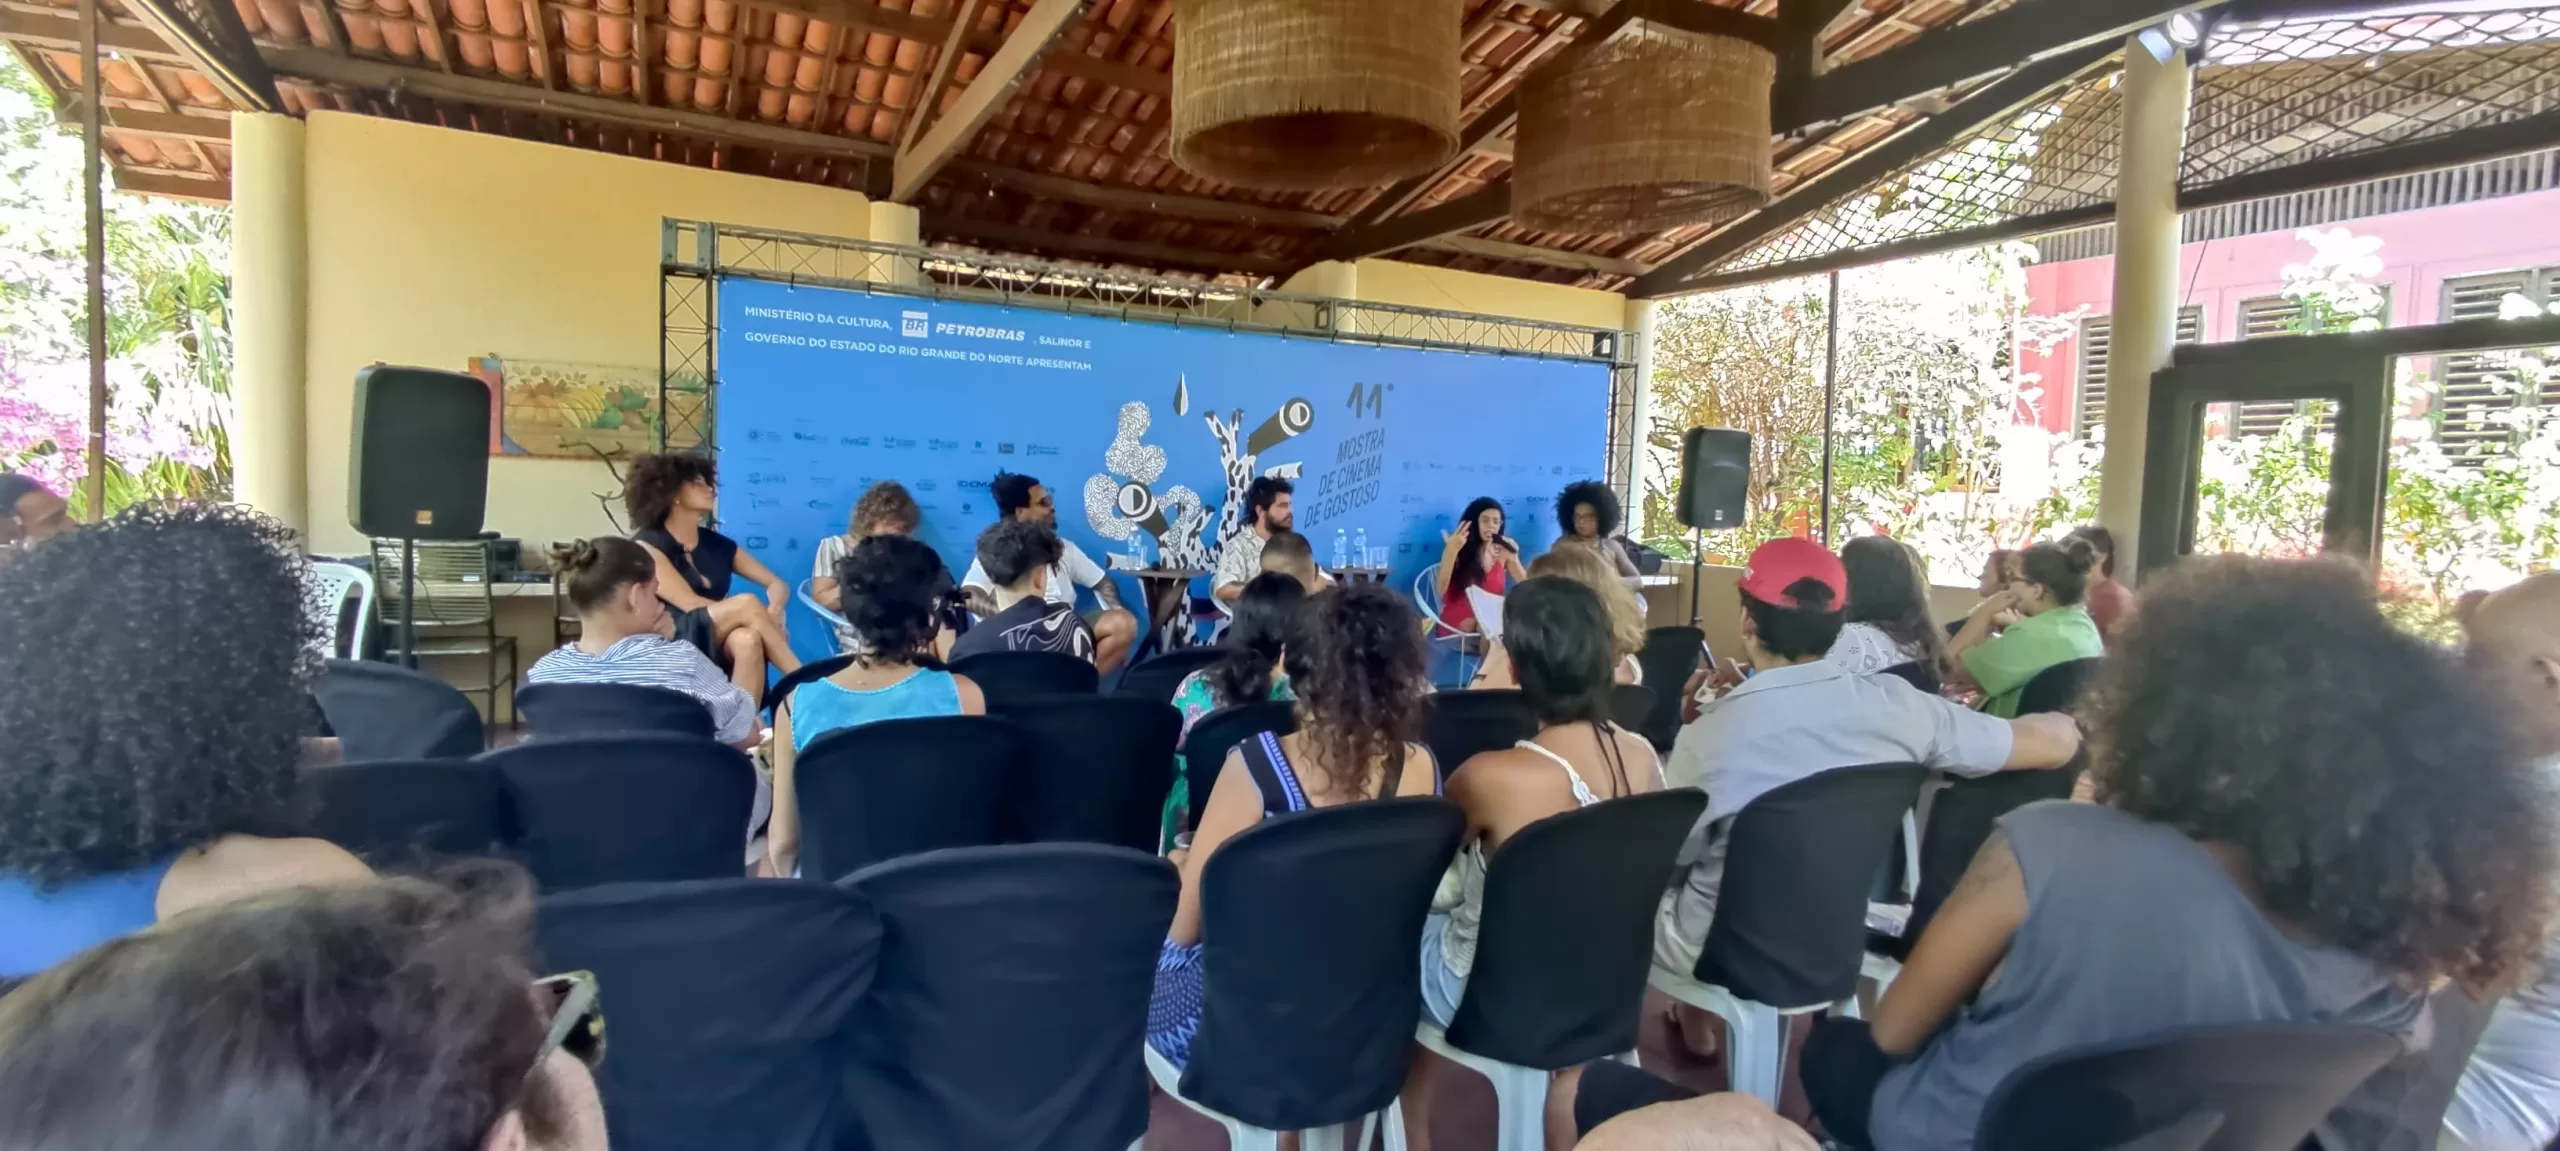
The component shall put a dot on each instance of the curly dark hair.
(1265, 618)
(2379, 804)
(1012, 549)
(884, 503)
(1603, 501)
(891, 592)
(134, 735)
(397, 1016)
(1359, 670)
(1263, 492)
(649, 493)
(1011, 491)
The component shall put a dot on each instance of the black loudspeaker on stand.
(1715, 492)
(419, 469)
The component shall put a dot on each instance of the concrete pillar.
(2145, 312)
(1643, 471)
(902, 225)
(269, 298)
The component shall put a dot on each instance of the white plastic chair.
(326, 597)
(1881, 969)
(1243, 1136)
(1758, 1030)
(1426, 596)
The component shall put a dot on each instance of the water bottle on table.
(1341, 549)
(1360, 546)
(1137, 552)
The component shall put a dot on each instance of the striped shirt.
(654, 661)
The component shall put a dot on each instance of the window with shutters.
(2468, 427)
(2091, 407)
(2267, 316)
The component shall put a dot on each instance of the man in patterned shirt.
(1266, 501)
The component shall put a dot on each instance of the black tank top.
(707, 568)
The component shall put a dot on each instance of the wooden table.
(1653, 581)
(1167, 592)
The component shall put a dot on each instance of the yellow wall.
(429, 246)
(1422, 286)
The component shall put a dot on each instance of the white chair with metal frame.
(326, 600)
(1426, 597)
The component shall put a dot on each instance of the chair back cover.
(628, 808)
(1631, 705)
(2249, 1088)
(2058, 688)
(1669, 655)
(385, 711)
(1961, 816)
(558, 710)
(1218, 733)
(1791, 917)
(878, 791)
(1567, 939)
(1918, 674)
(1309, 928)
(1009, 676)
(727, 1006)
(1097, 771)
(1160, 676)
(1010, 1008)
(1458, 724)
(404, 811)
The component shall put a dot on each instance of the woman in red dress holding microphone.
(1476, 555)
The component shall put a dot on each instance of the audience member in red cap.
(1800, 715)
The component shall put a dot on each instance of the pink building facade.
(2421, 252)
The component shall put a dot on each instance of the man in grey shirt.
(1799, 715)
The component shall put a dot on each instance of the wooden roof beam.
(210, 190)
(62, 34)
(1592, 262)
(1004, 71)
(316, 66)
(1016, 238)
(1146, 201)
(1447, 219)
(167, 125)
(2014, 36)
(1996, 101)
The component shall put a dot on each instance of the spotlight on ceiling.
(2179, 33)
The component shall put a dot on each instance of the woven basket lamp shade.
(1301, 95)
(1642, 134)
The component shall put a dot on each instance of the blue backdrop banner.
(1147, 433)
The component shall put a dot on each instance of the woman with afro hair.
(671, 497)
(1588, 513)
(153, 754)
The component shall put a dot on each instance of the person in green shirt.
(2052, 626)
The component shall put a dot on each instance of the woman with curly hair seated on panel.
(1588, 513)
(153, 740)
(671, 497)
(2303, 816)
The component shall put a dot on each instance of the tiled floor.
(1463, 1102)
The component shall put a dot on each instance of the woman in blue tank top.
(890, 586)
(148, 753)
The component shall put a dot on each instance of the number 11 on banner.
(1374, 399)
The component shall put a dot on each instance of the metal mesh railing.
(2268, 96)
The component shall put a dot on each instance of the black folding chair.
(1963, 813)
(1669, 655)
(1790, 928)
(1097, 771)
(385, 711)
(813, 670)
(1159, 677)
(1456, 725)
(1567, 937)
(1010, 1009)
(878, 791)
(1309, 923)
(1631, 705)
(1011, 676)
(402, 812)
(568, 710)
(628, 808)
(1918, 674)
(2248, 1088)
(1218, 733)
(728, 1004)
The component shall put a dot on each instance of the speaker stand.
(1697, 564)
(409, 602)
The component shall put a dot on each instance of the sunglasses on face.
(577, 1017)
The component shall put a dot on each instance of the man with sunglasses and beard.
(392, 1016)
